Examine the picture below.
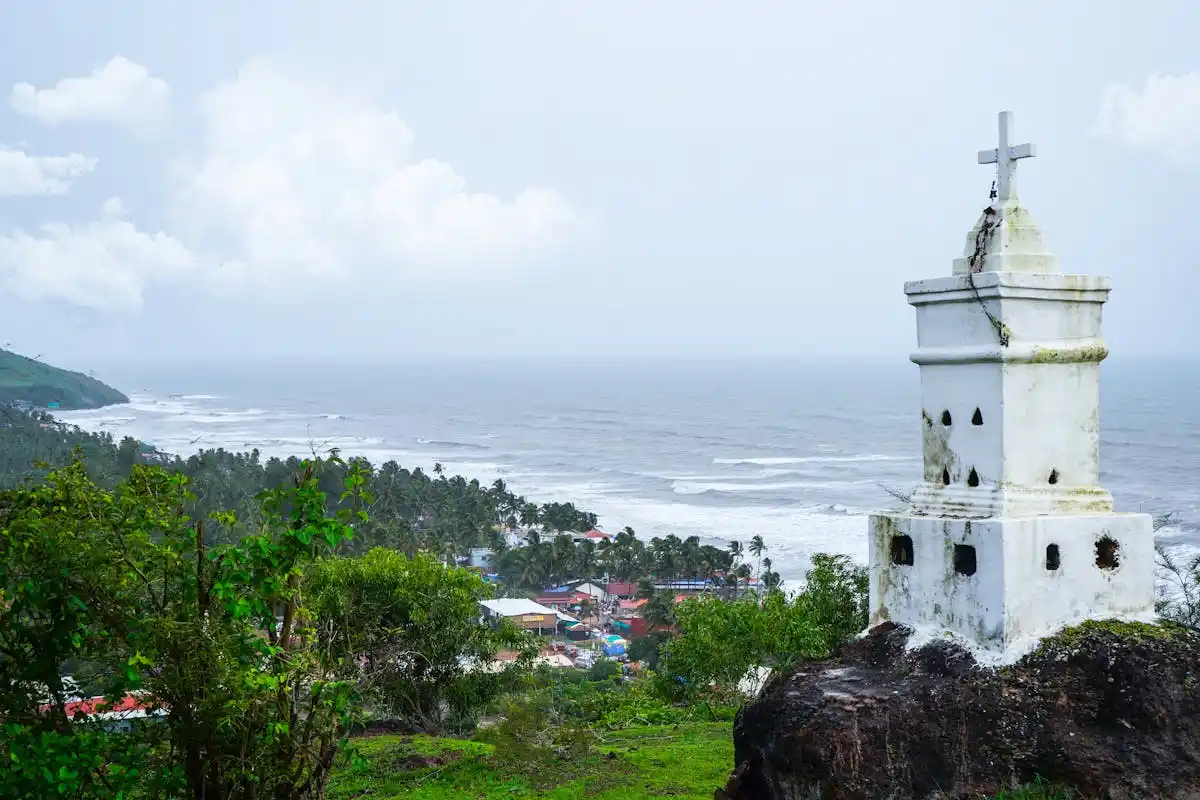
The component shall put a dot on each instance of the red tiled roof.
(597, 534)
(94, 705)
(621, 588)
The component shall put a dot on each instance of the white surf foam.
(792, 534)
(767, 461)
(683, 487)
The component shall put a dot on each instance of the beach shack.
(525, 614)
(561, 600)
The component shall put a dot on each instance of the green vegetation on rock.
(26, 380)
(1071, 638)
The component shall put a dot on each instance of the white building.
(1010, 536)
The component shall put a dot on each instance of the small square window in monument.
(977, 417)
(964, 559)
(1107, 553)
(902, 550)
(1052, 560)
(945, 417)
(973, 478)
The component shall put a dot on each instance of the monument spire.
(1010, 536)
(1006, 238)
(1005, 157)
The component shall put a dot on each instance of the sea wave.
(105, 422)
(321, 442)
(451, 445)
(684, 487)
(767, 461)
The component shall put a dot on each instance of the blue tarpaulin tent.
(613, 645)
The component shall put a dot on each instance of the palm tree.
(529, 515)
(690, 556)
(757, 548)
(742, 573)
(735, 555)
(449, 551)
(586, 554)
(659, 610)
(771, 580)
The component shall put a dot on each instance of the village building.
(120, 716)
(480, 557)
(593, 590)
(525, 614)
(1010, 536)
(562, 600)
(621, 591)
(593, 535)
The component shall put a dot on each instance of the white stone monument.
(1010, 537)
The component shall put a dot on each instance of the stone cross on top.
(1005, 158)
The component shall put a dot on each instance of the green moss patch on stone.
(1070, 639)
(1072, 355)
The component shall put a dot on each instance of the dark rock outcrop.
(1111, 710)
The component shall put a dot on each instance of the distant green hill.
(26, 380)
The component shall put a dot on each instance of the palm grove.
(266, 609)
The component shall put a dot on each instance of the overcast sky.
(623, 178)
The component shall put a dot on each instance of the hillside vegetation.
(680, 761)
(27, 380)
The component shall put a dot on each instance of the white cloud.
(1162, 114)
(121, 92)
(113, 207)
(23, 174)
(306, 178)
(104, 264)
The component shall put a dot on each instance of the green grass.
(688, 761)
(679, 762)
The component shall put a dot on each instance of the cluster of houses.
(581, 610)
(586, 617)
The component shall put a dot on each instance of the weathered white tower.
(1010, 537)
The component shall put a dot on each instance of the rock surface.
(1109, 709)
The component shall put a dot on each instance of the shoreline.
(794, 531)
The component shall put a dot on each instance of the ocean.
(795, 451)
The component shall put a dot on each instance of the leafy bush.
(407, 631)
(641, 704)
(213, 635)
(604, 670)
(720, 642)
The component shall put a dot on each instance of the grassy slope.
(684, 762)
(25, 379)
(681, 763)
